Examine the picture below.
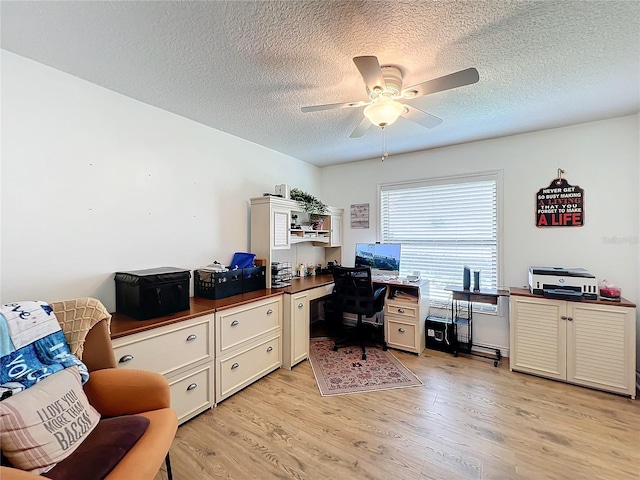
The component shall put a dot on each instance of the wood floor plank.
(470, 421)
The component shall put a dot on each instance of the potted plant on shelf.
(311, 205)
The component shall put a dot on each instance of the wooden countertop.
(236, 300)
(308, 283)
(524, 292)
(123, 325)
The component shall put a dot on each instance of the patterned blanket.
(33, 345)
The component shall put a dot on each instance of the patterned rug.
(344, 371)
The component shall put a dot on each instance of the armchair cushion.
(102, 450)
(45, 423)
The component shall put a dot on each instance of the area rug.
(344, 372)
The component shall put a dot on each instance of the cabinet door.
(601, 346)
(280, 228)
(538, 336)
(335, 238)
(300, 326)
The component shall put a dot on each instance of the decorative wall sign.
(560, 204)
(360, 215)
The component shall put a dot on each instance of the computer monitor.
(383, 258)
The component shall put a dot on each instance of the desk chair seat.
(353, 292)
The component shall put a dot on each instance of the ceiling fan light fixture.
(383, 111)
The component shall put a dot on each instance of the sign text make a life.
(560, 205)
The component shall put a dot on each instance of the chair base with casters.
(354, 293)
(362, 334)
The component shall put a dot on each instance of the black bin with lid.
(145, 294)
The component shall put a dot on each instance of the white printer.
(560, 282)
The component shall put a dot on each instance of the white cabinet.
(296, 329)
(334, 223)
(404, 326)
(405, 311)
(248, 344)
(273, 239)
(280, 231)
(586, 343)
(183, 353)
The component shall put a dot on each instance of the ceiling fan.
(386, 95)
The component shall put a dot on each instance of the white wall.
(600, 157)
(94, 182)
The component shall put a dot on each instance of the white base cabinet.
(588, 344)
(183, 353)
(248, 344)
(296, 330)
(404, 316)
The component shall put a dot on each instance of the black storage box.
(254, 278)
(216, 285)
(440, 334)
(145, 294)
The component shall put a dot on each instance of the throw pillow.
(102, 450)
(45, 423)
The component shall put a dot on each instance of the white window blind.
(443, 226)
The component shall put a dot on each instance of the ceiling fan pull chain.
(385, 154)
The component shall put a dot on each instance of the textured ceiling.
(247, 67)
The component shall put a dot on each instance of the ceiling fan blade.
(447, 82)
(361, 128)
(370, 70)
(332, 106)
(423, 118)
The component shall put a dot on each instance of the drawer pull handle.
(401, 310)
(235, 323)
(570, 319)
(192, 386)
(300, 305)
(563, 317)
(269, 349)
(269, 312)
(125, 359)
(234, 366)
(401, 330)
(192, 337)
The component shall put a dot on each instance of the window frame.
(490, 175)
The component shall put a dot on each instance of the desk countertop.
(301, 284)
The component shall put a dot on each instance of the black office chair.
(353, 292)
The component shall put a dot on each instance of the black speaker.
(466, 278)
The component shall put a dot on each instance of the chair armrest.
(8, 473)
(115, 392)
(378, 298)
(379, 291)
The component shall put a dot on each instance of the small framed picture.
(360, 215)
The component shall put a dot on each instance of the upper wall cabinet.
(272, 229)
(333, 223)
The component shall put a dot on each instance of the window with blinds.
(444, 225)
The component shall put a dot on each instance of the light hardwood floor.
(469, 421)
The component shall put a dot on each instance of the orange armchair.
(114, 392)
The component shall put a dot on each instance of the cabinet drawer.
(192, 393)
(406, 311)
(245, 323)
(166, 349)
(241, 369)
(402, 335)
